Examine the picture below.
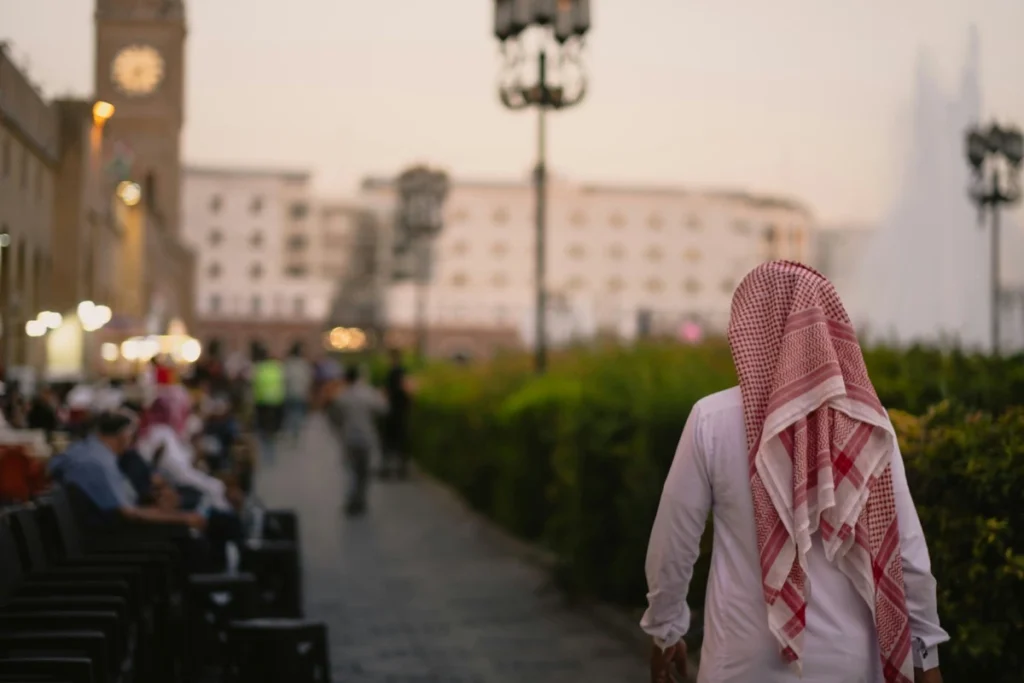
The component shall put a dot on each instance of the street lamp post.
(994, 154)
(421, 195)
(550, 34)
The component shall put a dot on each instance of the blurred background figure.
(268, 395)
(353, 411)
(396, 423)
(298, 382)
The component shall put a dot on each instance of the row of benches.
(119, 605)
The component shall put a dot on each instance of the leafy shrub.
(575, 460)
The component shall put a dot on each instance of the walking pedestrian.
(396, 423)
(298, 381)
(820, 572)
(353, 413)
(268, 394)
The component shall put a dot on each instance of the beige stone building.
(28, 159)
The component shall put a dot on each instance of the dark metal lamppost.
(995, 155)
(541, 45)
(421, 195)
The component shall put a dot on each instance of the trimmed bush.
(575, 460)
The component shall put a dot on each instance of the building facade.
(269, 259)
(621, 261)
(29, 150)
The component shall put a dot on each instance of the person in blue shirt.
(91, 465)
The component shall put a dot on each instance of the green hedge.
(575, 460)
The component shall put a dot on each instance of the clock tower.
(140, 69)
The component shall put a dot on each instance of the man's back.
(354, 412)
(738, 643)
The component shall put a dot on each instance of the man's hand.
(663, 661)
(929, 676)
(195, 521)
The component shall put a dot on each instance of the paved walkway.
(419, 592)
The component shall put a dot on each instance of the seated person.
(91, 465)
(164, 446)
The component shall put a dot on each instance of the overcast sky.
(802, 97)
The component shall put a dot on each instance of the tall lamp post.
(541, 45)
(421, 195)
(994, 154)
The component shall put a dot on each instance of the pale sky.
(801, 97)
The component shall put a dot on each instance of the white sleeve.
(177, 465)
(675, 539)
(925, 632)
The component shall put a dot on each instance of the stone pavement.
(420, 591)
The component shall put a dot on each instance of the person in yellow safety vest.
(268, 394)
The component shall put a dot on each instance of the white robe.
(710, 473)
(176, 464)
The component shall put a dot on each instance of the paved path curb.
(615, 621)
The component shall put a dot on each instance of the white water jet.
(925, 276)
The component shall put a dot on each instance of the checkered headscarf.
(820, 446)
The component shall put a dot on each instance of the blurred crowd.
(182, 448)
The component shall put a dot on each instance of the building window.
(616, 252)
(617, 220)
(499, 249)
(501, 216)
(691, 285)
(692, 255)
(215, 303)
(655, 222)
(216, 237)
(257, 305)
(296, 271)
(499, 280)
(459, 216)
(256, 240)
(577, 251)
(693, 222)
(460, 247)
(654, 254)
(297, 242)
(299, 307)
(256, 206)
(578, 219)
(728, 285)
(616, 284)
(256, 271)
(5, 157)
(213, 271)
(654, 285)
(298, 210)
(216, 203)
(576, 283)
(459, 280)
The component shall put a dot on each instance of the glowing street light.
(35, 328)
(51, 319)
(109, 352)
(101, 112)
(130, 193)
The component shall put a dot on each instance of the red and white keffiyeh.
(820, 455)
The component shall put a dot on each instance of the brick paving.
(420, 591)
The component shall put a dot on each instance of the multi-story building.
(622, 261)
(29, 150)
(268, 259)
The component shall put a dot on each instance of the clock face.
(137, 70)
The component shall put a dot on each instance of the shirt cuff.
(925, 658)
(666, 644)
